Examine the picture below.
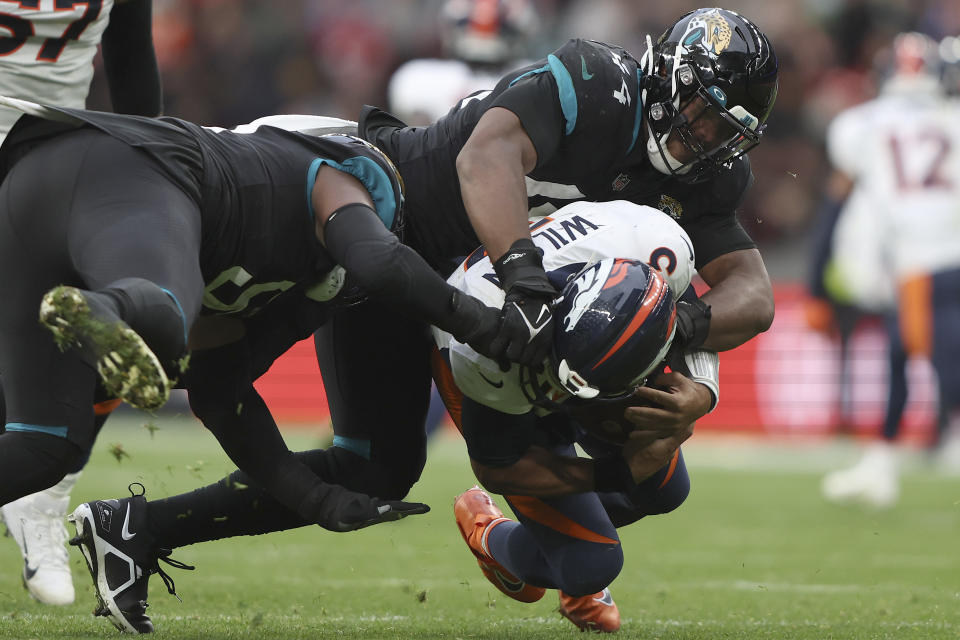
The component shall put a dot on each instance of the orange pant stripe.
(449, 392)
(539, 511)
(106, 407)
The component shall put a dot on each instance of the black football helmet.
(723, 60)
(614, 324)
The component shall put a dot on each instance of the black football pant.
(84, 210)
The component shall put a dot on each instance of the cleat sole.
(127, 366)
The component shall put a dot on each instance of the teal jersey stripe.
(60, 432)
(568, 96)
(354, 445)
(638, 116)
(183, 317)
(370, 174)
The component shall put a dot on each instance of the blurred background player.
(896, 248)
(480, 39)
(46, 55)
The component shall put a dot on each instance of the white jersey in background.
(579, 233)
(902, 149)
(423, 91)
(46, 51)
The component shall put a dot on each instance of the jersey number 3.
(20, 28)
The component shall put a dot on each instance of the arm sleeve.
(222, 396)
(129, 60)
(389, 271)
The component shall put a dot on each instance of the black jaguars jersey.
(253, 190)
(581, 109)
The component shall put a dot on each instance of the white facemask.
(653, 152)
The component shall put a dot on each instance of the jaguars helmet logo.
(670, 206)
(711, 30)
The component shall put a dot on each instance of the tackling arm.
(740, 298)
(492, 167)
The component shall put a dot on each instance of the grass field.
(753, 553)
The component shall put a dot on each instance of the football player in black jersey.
(155, 224)
(589, 122)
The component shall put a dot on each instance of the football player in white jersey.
(897, 246)
(615, 326)
(481, 39)
(46, 55)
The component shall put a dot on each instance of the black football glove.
(526, 328)
(693, 324)
(345, 510)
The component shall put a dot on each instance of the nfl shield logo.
(620, 182)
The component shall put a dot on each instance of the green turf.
(751, 554)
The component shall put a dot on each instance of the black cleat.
(128, 367)
(112, 537)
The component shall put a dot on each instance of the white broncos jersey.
(46, 51)
(903, 152)
(579, 233)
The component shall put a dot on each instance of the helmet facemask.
(641, 328)
(714, 103)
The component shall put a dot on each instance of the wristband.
(704, 367)
(611, 474)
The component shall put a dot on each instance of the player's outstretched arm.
(129, 60)
(224, 399)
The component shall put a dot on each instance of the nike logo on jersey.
(495, 385)
(586, 75)
(125, 531)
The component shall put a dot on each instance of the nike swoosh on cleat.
(509, 585)
(583, 69)
(496, 385)
(125, 531)
(28, 571)
(606, 599)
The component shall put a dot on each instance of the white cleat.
(37, 523)
(874, 481)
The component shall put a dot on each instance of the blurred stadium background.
(754, 553)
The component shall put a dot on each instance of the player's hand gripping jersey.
(580, 233)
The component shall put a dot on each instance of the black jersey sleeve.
(580, 100)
